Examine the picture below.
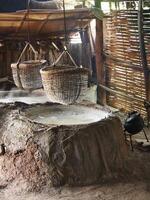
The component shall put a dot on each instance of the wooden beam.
(46, 19)
(101, 95)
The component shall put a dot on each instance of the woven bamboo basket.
(27, 74)
(64, 84)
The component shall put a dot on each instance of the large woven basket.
(27, 75)
(64, 84)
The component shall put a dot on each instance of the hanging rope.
(19, 60)
(25, 48)
(65, 52)
(28, 12)
(65, 24)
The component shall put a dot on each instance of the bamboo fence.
(124, 69)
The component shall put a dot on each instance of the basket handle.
(19, 60)
(23, 51)
(62, 54)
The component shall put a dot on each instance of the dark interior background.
(14, 5)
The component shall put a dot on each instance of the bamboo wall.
(123, 67)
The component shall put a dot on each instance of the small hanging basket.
(64, 83)
(26, 74)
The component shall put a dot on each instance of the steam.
(65, 115)
(56, 114)
(16, 95)
(11, 95)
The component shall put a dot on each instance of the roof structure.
(39, 24)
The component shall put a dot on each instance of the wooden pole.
(101, 94)
(143, 53)
(115, 92)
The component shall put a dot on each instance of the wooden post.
(143, 54)
(143, 50)
(101, 95)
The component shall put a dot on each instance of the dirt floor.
(136, 187)
(120, 191)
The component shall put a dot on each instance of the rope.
(28, 12)
(25, 48)
(28, 44)
(65, 52)
(65, 24)
(18, 62)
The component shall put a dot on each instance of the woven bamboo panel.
(124, 71)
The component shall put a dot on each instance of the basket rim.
(29, 63)
(62, 68)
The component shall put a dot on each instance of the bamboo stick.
(120, 93)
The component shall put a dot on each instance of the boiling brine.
(65, 115)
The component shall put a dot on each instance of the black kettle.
(134, 123)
